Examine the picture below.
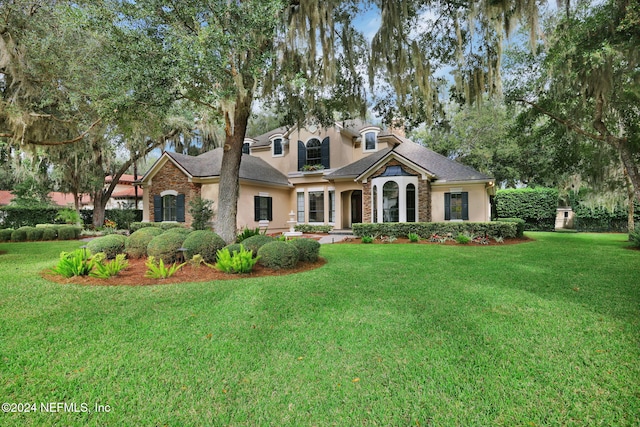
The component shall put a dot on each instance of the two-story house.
(349, 173)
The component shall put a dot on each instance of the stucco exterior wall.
(281, 205)
(479, 207)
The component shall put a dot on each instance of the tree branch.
(574, 127)
(54, 143)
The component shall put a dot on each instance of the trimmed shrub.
(254, 243)
(19, 235)
(49, 233)
(235, 247)
(278, 255)
(111, 245)
(520, 223)
(34, 234)
(310, 229)
(308, 249)
(136, 244)
(165, 246)
(203, 242)
(135, 226)
(179, 230)
(5, 234)
(69, 232)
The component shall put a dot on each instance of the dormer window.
(277, 149)
(370, 141)
(246, 148)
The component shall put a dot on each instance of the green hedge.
(69, 232)
(33, 234)
(601, 219)
(310, 229)
(520, 224)
(135, 226)
(5, 234)
(16, 217)
(427, 229)
(537, 206)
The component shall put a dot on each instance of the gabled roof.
(432, 163)
(264, 140)
(208, 165)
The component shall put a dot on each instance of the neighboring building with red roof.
(123, 196)
(57, 198)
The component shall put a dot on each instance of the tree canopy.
(124, 71)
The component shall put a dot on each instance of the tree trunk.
(99, 207)
(631, 208)
(235, 130)
(632, 174)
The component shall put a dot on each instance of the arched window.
(390, 199)
(314, 152)
(411, 203)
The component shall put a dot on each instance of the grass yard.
(543, 333)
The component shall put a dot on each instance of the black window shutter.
(256, 208)
(447, 206)
(180, 208)
(157, 208)
(302, 155)
(465, 206)
(270, 208)
(324, 153)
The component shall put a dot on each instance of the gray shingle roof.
(442, 167)
(358, 167)
(208, 165)
(264, 139)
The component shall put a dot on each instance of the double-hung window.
(263, 208)
(456, 206)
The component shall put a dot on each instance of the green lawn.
(543, 333)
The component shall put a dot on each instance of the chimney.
(397, 127)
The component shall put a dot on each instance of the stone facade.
(169, 177)
(424, 194)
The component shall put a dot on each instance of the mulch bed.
(133, 275)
